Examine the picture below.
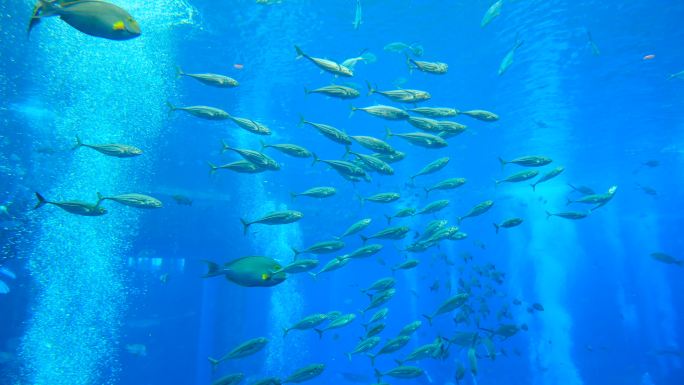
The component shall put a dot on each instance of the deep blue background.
(600, 117)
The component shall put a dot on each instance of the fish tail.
(245, 225)
(212, 168)
(361, 199)
(320, 333)
(214, 363)
(548, 215)
(225, 147)
(179, 72)
(347, 151)
(427, 191)
(316, 159)
(378, 375)
(388, 133)
(496, 227)
(459, 220)
(213, 269)
(399, 362)
(100, 198)
(534, 187)
(263, 145)
(171, 107)
(78, 144)
(371, 90)
(364, 239)
(301, 120)
(349, 356)
(389, 218)
(285, 331)
(409, 63)
(353, 109)
(503, 162)
(293, 196)
(41, 201)
(313, 275)
(372, 358)
(300, 53)
(429, 318)
(296, 252)
(568, 201)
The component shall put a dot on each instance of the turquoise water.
(120, 298)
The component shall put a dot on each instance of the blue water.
(88, 291)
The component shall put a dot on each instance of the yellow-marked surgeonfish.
(92, 17)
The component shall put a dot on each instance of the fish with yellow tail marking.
(252, 271)
(92, 17)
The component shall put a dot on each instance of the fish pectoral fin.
(119, 26)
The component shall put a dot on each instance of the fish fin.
(534, 187)
(212, 168)
(245, 225)
(459, 220)
(293, 196)
(316, 159)
(427, 191)
(389, 218)
(285, 331)
(399, 362)
(568, 202)
(100, 198)
(409, 63)
(225, 147)
(378, 375)
(347, 151)
(313, 275)
(119, 26)
(388, 133)
(349, 356)
(371, 90)
(300, 53)
(301, 120)
(179, 72)
(171, 107)
(78, 144)
(496, 227)
(503, 162)
(320, 333)
(364, 239)
(296, 252)
(429, 318)
(214, 363)
(306, 91)
(548, 215)
(213, 269)
(41, 201)
(353, 109)
(372, 358)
